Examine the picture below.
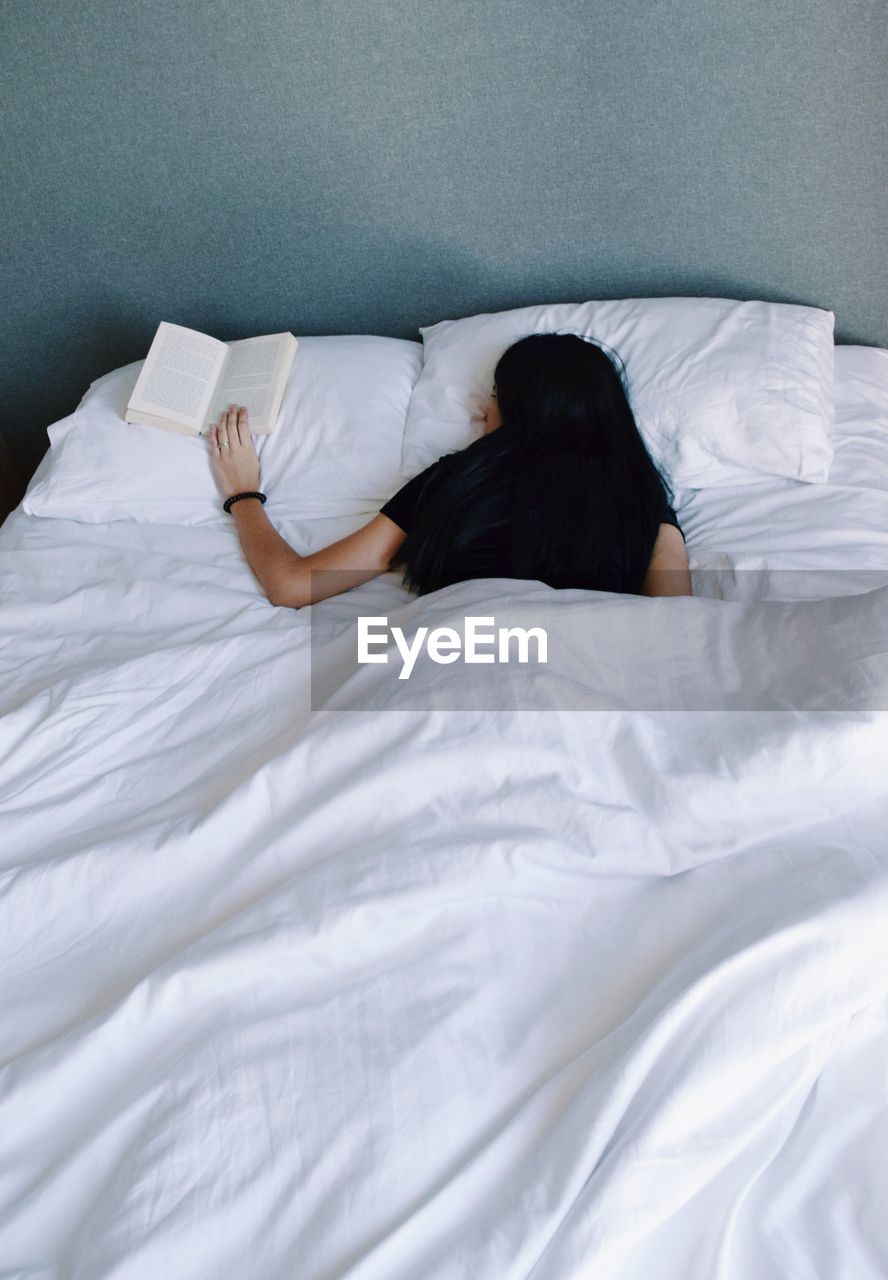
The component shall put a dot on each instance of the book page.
(251, 376)
(179, 375)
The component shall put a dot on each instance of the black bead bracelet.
(236, 497)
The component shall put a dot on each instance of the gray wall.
(374, 165)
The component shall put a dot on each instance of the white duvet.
(585, 979)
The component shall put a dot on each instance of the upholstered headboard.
(373, 165)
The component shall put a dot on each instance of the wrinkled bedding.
(525, 974)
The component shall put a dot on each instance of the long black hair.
(565, 484)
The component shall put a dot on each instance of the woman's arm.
(286, 577)
(668, 573)
(290, 579)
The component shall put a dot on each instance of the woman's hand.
(234, 455)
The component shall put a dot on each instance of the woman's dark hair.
(566, 482)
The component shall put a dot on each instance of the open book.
(189, 378)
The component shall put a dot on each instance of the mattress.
(312, 971)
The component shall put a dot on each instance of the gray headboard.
(367, 166)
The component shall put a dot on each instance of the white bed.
(386, 992)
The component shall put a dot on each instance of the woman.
(559, 488)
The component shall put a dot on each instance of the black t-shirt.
(485, 558)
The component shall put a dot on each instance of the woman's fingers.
(243, 425)
(238, 424)
(232, 428)
(236, 421)
(226, 430)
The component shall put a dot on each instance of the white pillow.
(723, 391)
(335, 452)
(861, 430)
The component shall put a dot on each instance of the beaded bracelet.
(236, 497)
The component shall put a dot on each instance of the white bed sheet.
(388, 994)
